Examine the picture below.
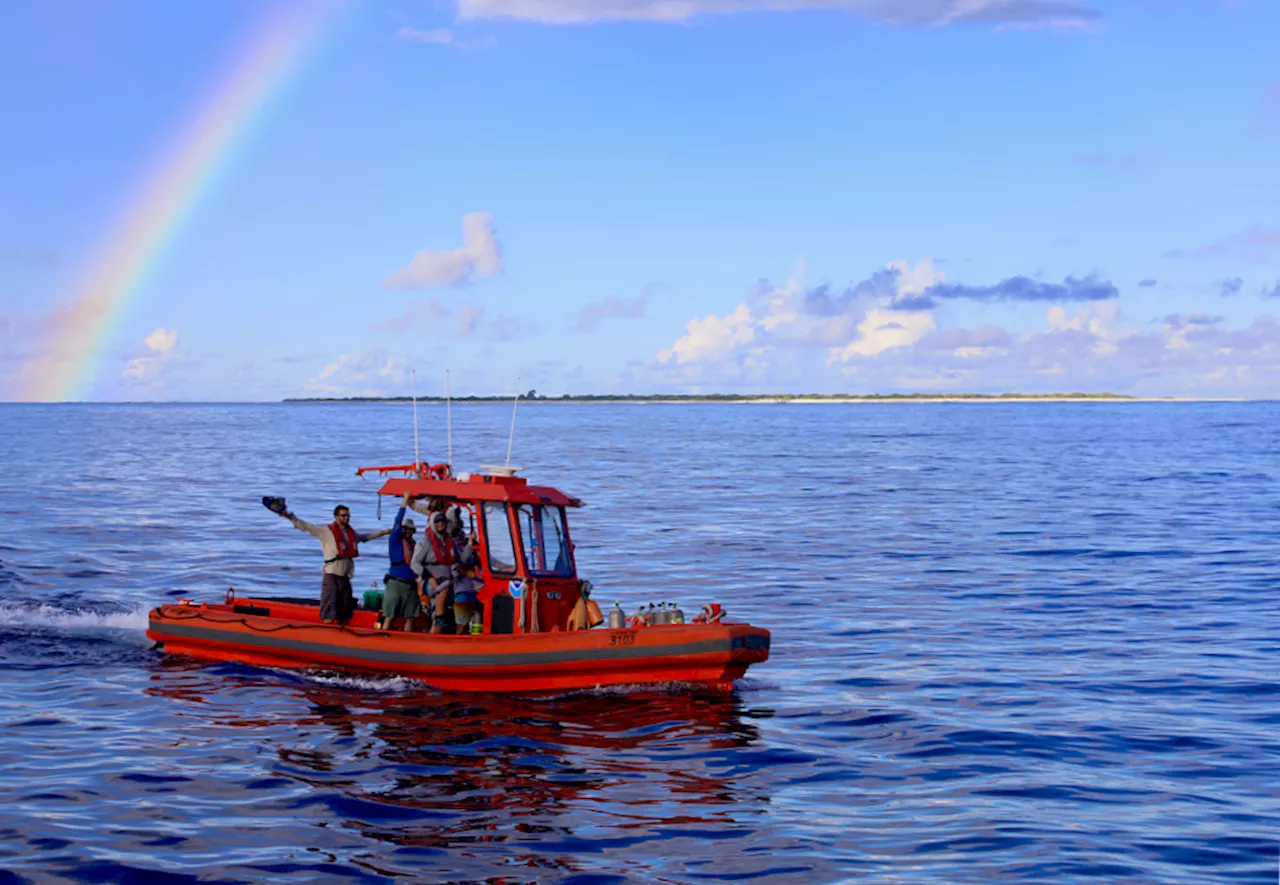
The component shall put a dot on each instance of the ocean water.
(1011, 642)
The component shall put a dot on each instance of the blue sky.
(634, 196)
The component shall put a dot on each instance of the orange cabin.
(525, 553)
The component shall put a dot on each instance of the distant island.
(534, 396)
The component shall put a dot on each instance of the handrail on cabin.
(421, 468)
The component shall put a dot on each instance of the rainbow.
(80, 330)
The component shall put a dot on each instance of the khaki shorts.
(462, 612)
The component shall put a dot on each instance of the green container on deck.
(373, 600)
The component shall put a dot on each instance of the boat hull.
(706, 654)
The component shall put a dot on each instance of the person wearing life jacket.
(466, 590)
(400, 597)
(339, 543)
(429, 508)
(434, 560)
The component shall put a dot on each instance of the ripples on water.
(1011, 642)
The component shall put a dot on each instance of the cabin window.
(546, 543)
(497, 539)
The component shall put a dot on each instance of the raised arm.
(395, 526)
(302, 525)
(468, 554)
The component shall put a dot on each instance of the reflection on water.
(411, 768)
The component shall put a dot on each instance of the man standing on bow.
(338, 541)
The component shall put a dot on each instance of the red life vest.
(443, 548)
(346, 541)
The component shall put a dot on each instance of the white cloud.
(914, 280)
(366, 373)
(712, 338)
(975, 353)
(162, 340)
(140, 368)
(1096, 318)
(882, 335)
(479, 257)
(855, 323)
(883, 330)
(145, 368)
(1018, 13)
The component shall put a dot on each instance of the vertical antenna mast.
(514, 406)
(413, 374)
(448, 413)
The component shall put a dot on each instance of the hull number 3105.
(623, 637)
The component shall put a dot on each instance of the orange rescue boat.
(527, 606)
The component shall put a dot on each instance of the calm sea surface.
(1011, 642)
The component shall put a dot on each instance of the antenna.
(448, 415)
(413, 374)
(514, 406)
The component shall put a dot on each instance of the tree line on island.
(534, 396)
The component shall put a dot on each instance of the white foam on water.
(384, 684)
(74, 619)
(631, 688)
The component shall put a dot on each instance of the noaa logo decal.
(515, 588)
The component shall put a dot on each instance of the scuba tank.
(647, 615)
(617, 617)
(663, 616)
(676, 615)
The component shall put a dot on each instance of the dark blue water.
(1011, 642)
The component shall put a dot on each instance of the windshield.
(545, 540)
(497, 539)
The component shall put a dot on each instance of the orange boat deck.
(284, 634)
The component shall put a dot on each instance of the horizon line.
(674, 398)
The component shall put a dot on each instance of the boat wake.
(628, 690)
(378, 684)
(51, 617)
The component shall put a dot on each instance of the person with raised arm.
(339, 543)
(401, 597)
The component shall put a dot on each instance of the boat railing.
(421, 469)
